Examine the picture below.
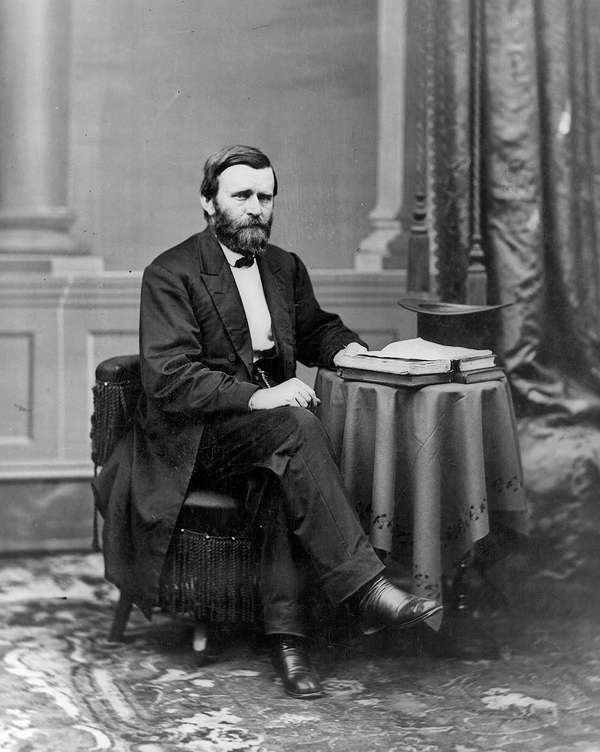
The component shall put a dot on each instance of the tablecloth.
(426, 467)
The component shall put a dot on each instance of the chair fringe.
(114, 408)
(95, 532)
(211, 578)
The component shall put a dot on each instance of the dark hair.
(227, 157)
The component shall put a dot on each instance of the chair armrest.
(116, 393)
(118, 369)
(207, 499)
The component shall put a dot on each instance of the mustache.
(252, 222)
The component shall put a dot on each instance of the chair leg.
(200, 643)
(461, 592)
(120, 619)
(200, 637)
(208, 643)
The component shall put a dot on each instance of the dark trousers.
(309, 517)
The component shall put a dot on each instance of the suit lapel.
(277, 297)
(216, 274)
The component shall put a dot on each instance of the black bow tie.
(244, 261)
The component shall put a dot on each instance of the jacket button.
(231, 357)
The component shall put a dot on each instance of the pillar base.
(384, 248)
(40, 241)
(368, 261)
(43, 230)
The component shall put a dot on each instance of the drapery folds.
(538, 186)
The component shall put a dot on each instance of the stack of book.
(418, 362)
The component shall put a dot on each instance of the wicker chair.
(209, 571)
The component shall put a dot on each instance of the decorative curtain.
(535, 144)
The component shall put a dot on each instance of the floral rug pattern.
(64, 687)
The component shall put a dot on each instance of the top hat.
(456, 324)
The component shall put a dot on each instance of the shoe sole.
(305, 696)
(369, 629)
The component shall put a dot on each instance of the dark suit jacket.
(196, 361)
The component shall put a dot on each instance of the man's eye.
(264, 198)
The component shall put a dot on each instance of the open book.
(419, 356)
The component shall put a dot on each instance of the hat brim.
(439, 308)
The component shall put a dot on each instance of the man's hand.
(354, 348)
(292, 392)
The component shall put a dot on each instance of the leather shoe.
(385, 604)
(292, 664)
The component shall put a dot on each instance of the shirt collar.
(231, 256)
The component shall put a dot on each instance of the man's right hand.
(292, 392)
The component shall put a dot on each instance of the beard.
(246, 236)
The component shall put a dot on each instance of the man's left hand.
(354, 348)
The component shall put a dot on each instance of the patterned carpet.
(64, 687)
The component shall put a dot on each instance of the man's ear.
(207, 205)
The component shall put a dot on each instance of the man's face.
(242, 211)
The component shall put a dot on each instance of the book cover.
(474, 364)
(392, 379)
(482, 374)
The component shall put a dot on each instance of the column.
(35, 219)
(376, 252)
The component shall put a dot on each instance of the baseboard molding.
(53, 545)
(46, 515)
(50, 470)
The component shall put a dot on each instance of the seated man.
(224, 317)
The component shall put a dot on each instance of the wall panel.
(100, 320)
(31, 366)
(16, 394)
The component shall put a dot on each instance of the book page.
(422, 349)
(393, 365)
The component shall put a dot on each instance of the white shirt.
(249, 285)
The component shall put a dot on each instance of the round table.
(426, 466)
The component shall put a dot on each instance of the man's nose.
(253, 206)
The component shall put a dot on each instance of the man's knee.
(302, 424)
